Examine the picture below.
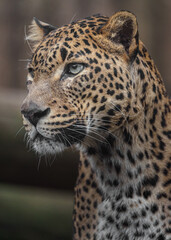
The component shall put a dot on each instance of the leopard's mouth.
(60, 138)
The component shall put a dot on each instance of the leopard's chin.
(44, 146)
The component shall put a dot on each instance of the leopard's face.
(79, 82)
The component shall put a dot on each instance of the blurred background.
(36, 195)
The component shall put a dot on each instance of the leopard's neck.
(129, 158)
(131, 174)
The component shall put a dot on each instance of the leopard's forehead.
(66, 39)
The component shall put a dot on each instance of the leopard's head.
(79, 80)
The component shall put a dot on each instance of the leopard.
(93, 86)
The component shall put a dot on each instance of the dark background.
(36, 195)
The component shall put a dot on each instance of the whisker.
(65, 138)
(98, 134)
(39, 161)
(83, 134)
(72, 19)
(24, 60)
(19, 131)
(26, 38)
(78, 140)
(50, 163)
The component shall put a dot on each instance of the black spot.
(161, 195)
(98, 55)
(146, 154)
(120, 96)
(95, 204)
(88, 235)
(63, 53)
(110, 76)
(110, 139)
(50, 59)
(115, 183)
(127, 137)
(141, 73)
(103, 99)
(137, 60)
(130, 175)
(167, 133)
(161, 237)
(87, 50)
(152, 120)
(97, 69)
(115, 72)
(94, 185)
(94, 46)
(138, 234)
(79, 232)
(167, 183)
(130, 157)
(168, 165)
(111, 112)
(93, 88)
(68, 39)
(106, 56)
(85, 189)
(143, 213)
(140, 156)
(95, 99)
(168, 230)
(134, 215)
(129, 192)
(144, 87)
(146, 194)
(150, 181)
(86, 163)
(159, 156)
(110, 219)
(122, 208)
(165, 172)
(126, 223)
(107, 65)
(101, 108)
(67, 45)
(118, 86)
(86, 42)
(156, 167)
(117, 107)
(110, 92)
(163, 121)
(119, 122)
(117, 167)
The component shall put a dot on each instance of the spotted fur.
(116, 112)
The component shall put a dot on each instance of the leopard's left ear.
(37, 31)
(122, 29)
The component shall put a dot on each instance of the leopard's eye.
(74, 68)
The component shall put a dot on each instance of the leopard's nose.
(33, 112)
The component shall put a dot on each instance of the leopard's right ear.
(37, 31)
(120, 33)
